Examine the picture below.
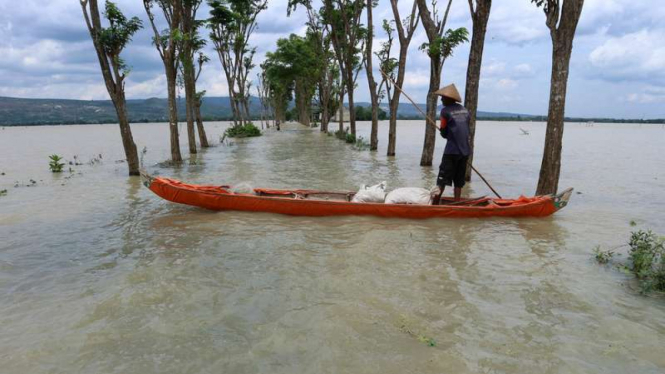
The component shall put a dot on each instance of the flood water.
(99, 275)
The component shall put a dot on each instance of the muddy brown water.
(98, 275)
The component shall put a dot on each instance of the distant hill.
(407, 110)
(16, 111)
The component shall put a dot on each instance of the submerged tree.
(562, 17)
(480, 14)
(405, 30)
(296, 62)
(191, 44)
(343, 19)
(263, 91)
(373, 94)
(319, 34)
(167, 44)
(109, 43)
(198, 101)
(439, 48)
(232, 22)
(280, 87)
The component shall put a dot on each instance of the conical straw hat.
(450, 92)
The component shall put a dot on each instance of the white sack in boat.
(371, 194)
(243, 188)
(409, 195)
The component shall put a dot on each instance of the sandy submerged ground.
(99, 275)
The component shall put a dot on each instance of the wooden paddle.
(431, 122)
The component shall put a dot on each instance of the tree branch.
(442, 25)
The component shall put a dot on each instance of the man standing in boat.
(455, 128)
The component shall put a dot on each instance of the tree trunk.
(203, 138)
(352, 109)
(480, 18)
(341, 110)
(190, 96)
(325, 103)
(433, 29)
(550, 168)
(394, 103)
(173, 112)
(430, 132)
(232, 102)
(126, 134)
(349, 94)
(116, 90)
(245, 105)
(302, 103)
(562, 48)
(374, 136)
(392, 131)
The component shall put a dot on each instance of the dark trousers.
(452, 171)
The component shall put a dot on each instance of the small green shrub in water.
(361, 144)
(3, 192)
(646, 260)
(603, 257)
(647, 257)
(243, 131)
(55, 165)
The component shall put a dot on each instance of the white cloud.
(516, 22)
(524, 70)
(46, 52)
(639, 55)
(493, 68)
(507, 84)
(417, 79)
(650, 95)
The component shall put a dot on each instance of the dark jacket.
(457, 119)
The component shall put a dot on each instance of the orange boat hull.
(220, 198)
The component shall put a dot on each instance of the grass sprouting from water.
(646, 260)
(54, 164)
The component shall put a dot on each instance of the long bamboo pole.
(431, 122)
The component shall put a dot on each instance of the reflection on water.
(99, 275)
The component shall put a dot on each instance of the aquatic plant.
(646, 259)
(3, 192)
(603, 256)
(647, 256)
(55, 165)
(243, 131)
(350, 138)
(361, 144)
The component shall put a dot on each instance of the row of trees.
(179, 45)
(321, 67)
(303, 66)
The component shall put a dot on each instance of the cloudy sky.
(617, 69)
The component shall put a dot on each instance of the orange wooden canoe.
(322, 203)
